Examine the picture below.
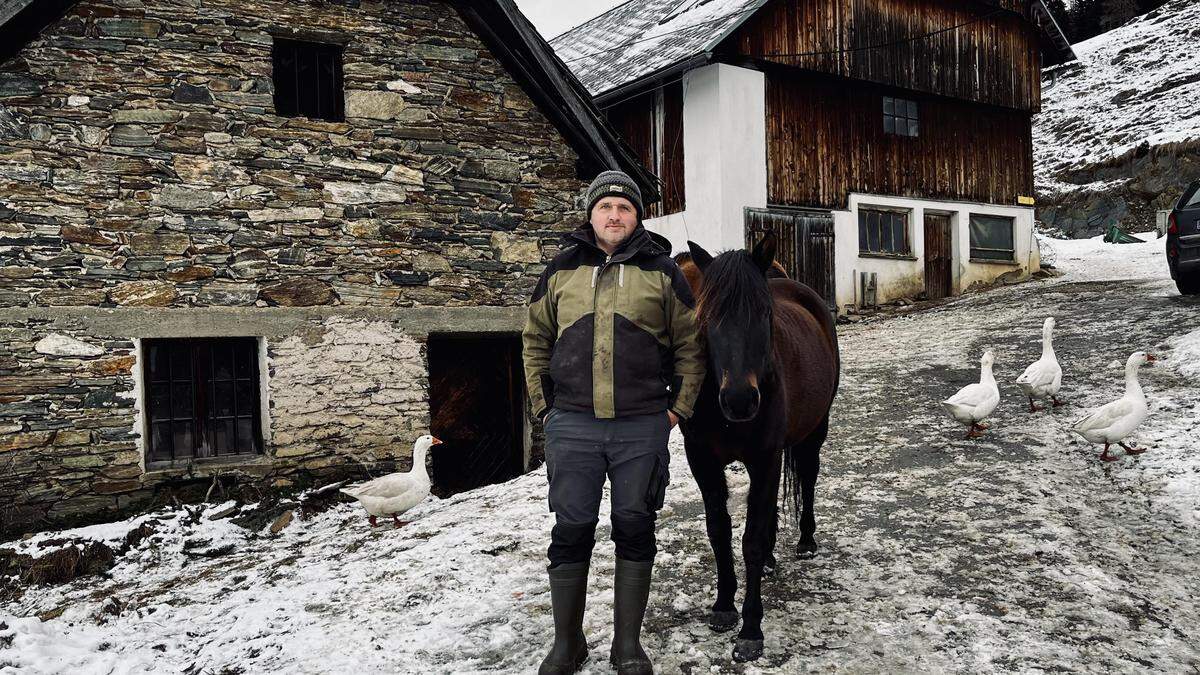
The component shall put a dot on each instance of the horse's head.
(734, 317)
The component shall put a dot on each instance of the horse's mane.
(734, 290)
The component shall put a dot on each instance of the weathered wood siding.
(986, 52)
(825, 140)
(657, 142)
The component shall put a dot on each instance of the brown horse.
(773, 370)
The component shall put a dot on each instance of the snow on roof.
(1132, 85)
(640, 37)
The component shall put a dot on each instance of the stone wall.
(346, 393)
(145, 167)
(143, 171)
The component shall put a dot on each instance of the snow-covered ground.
(1018, 552)
(1096, 260)
(1132, 85)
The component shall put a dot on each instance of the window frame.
(911, 116)
(197, 423)
(864, 235)
(290, 98)
(992, 255)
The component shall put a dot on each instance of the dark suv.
(1183, 241)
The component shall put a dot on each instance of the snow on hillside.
(1136, 84)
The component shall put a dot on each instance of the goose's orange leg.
(1104, 456)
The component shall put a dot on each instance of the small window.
(202, 398)
(308, 80)
(900, 117)
(883, 232)
(992, 237)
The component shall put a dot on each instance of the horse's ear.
(764, 252)
(699, 256)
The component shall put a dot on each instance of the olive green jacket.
(613, 336)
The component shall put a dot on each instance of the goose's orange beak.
(436, 441)
(1150, 358)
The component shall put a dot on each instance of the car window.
(1191, 197)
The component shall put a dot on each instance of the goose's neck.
(1047, 344)
(985, 375)
(418, 467)
(1132, 386)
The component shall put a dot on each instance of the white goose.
(974, 402)
(1043, 378)
(396, 493)
(1113, 422)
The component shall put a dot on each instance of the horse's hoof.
(806, 551)
(747, 650)
(723, 621)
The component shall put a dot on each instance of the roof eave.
(558, 93)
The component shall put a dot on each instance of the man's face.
(613, 220)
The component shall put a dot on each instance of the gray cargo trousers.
(581, 451)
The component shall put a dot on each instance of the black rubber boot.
(568, 597)
(631, 589)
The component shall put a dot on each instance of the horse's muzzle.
(739, 404)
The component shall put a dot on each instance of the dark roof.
(555, 89)
(654, 38)
(509, 36)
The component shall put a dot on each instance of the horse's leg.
(761, 518)
(810, 467)
(710, 478)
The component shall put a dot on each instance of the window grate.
(901, 117)
(308, 80)
(203, 398)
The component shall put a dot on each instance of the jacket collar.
(641, 241)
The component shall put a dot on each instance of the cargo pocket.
(656, 490)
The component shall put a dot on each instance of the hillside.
(1119, 132)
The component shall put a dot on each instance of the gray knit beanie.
(614, 184)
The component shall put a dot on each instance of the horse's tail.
(801, 460)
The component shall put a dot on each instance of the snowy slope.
(1137, 84)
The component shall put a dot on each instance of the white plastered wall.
(899, 278)
(725, 158)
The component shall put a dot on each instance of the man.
(612, 362)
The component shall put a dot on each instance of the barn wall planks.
(826, 139)
(652, 124)
(979, 51)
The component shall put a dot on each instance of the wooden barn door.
(805, 245)
(938, 271)
(476, 401)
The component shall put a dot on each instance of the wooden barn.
(887, 141)
(272, 242)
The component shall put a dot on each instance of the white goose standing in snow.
(1043, 378)
(1113, 422)
(974, 402)
(396, 493)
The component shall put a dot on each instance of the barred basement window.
(308, 80)
(883, 232)
(900, 117)
(992, 238)
(202, 398)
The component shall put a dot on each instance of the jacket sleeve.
(685, 343)
(537, 341)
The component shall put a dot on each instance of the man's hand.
(673, 417)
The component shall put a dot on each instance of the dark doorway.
(938, 271)
(477, 409)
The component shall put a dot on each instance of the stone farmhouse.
(272, 242)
